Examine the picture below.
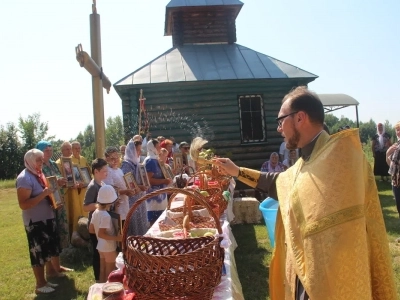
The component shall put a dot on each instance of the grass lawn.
(16, 277)
(252, 255)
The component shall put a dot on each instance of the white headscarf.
(381, 135)
(152, 152)
(30, 164)
(30, 160)
(131, 153)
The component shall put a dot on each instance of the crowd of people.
(330, 238)
(49, 229)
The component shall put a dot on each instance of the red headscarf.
(163, 144)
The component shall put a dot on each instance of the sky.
(353, 46)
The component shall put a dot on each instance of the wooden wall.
(173, 108)
(207, 25)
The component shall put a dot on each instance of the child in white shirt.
(102, 226)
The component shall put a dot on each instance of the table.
(230, 287)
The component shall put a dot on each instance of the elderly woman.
(138, 223)
(273, 164)
(39, 218)
(50, 168)
(393, 160)
(157, 204)
(380, 144)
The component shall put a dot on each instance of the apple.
(116, 276)
(204, 193)
(208, 233)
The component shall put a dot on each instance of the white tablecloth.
(230, 287)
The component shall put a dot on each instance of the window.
(252, 125)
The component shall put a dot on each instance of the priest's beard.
(293, 141)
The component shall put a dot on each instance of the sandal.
(44, 290)
(52, 285)
(65, 269)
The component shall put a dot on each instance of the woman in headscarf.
(138, 223)
(157, 204)
(380, 144)
(50, 168)
(39, 219)
(273, 164)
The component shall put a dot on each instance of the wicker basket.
(224, 182)
(194, 206)
(181, 209)
(187, 208)
(216, 198)
(179, 269)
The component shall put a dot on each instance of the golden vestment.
(330, 230)
(74, 197)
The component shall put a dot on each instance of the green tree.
(114, 132)
(334, 123)
(331, 121)
(11, 154)
(32, 131)
(390, 130)
(86, 139)
(367, 130)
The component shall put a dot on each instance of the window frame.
(263, 123)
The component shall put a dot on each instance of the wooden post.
(98, 105)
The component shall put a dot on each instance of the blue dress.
(138, 224)
(157, 204)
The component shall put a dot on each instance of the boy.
(99, 171)
(102, 226)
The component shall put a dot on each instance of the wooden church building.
(208, 85)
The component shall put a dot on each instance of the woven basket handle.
(195, 174)
(196, 196)
(172, 196)
(187, 208)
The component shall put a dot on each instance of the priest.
(330, 237)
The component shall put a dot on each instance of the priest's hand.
(226, 166)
